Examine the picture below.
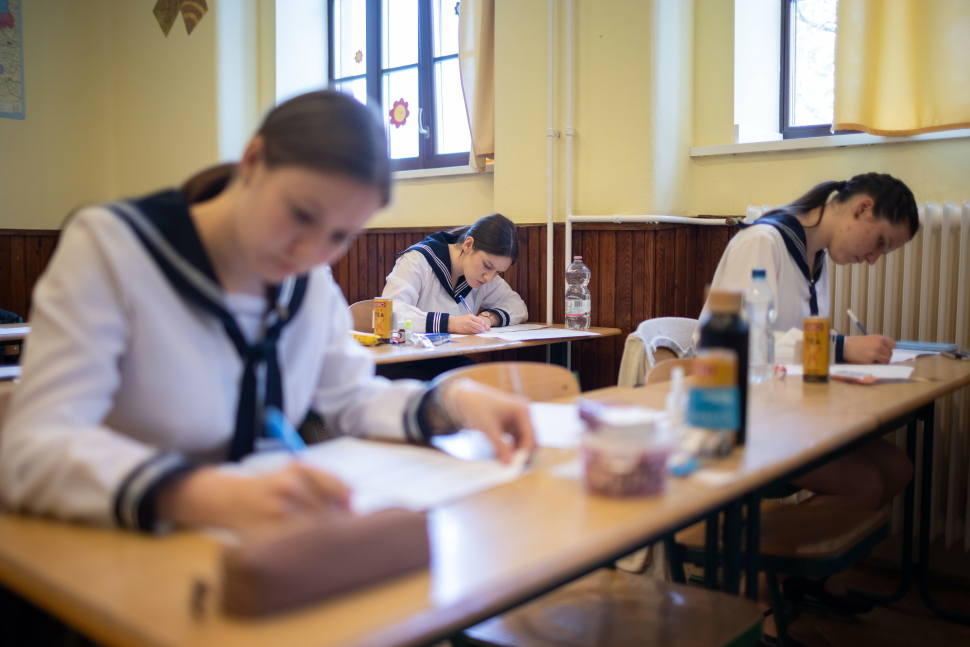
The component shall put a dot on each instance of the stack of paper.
(882, 371)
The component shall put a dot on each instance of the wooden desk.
(471, 344)
(491, 551)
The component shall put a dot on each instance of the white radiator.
(922, 292)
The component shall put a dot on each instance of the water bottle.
(724, 328)
(579, 305)
(759, 310)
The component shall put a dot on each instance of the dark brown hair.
(893, 201)
(494, 234)
(325, 131)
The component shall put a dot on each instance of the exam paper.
(545, 333)
(882, 371)
(555, 425)
(9, 372)
(903, 355)
(14, 332)
(388, 475)
(518, 328)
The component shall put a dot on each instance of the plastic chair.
(362, 314)
(674, 333)
(536, 381)
(661, 372)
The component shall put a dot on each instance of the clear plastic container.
(759, 311)
(579, 303)
(625, 452)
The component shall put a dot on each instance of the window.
(402, 56)
(807, 67)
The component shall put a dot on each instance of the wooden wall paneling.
(18, 277)
(608, 360)
(6, 275)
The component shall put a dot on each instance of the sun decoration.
(399, 113)
(359, 56)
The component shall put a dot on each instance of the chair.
(639, 353)
(614, 609)
(661, 372)
(535, 380)
(362, 314)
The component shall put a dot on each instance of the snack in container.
(624, 450)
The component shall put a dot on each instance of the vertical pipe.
(550, 136)
(568, 131)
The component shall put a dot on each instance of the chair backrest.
(675, 333)
(362, 313)
(535, 380)
(661, 372)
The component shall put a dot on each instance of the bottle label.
(579, 308)
(714, 408)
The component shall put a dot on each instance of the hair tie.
(841, 186)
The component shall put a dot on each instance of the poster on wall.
(11, 60)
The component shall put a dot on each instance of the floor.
(905, 623)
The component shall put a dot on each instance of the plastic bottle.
(759, 310)
(579, 305)
(723, 327)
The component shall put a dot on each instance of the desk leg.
(927, 414)
(733, 557)
(753, 548)
(559, 353)
(710, 550)
(909, 499)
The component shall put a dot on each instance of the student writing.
(164, 326)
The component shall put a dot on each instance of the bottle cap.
(725, 301)
(577, 258)
(758, 274)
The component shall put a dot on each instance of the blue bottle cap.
(757, 274)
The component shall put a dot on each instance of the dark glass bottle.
(723, 327)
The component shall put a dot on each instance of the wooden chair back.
(362, 314)
(534, 380)
(661, 372)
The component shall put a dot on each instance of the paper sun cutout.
(359, 56)
(399, 113)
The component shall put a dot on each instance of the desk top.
(490, 551)
(471, 344)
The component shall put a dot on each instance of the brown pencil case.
(307, 561)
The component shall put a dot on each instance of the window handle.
(421, 129)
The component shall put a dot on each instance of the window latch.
(421, 129)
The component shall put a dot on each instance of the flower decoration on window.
(359, 56)
(399, 113)
(457, 4)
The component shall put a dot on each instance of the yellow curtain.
(902, 67)
(476, 55)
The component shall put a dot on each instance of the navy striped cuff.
(840, 349)
(503, 316)
(436, 322)
(417, 429)
(134, 504)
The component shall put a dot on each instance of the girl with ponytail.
(850, 221)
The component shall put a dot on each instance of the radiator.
(922, 292)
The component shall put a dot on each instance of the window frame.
(787, 63)
(427, 115)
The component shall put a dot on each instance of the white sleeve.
(404, 283)
(56, 456)
(350, 397)
(748, 250)
(505, 302)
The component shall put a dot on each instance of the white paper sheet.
(882, 371)
(517, 328)
(19, 331)
(9, 372)
(556, 425)
(903, 355)
(386, 475)
(545, 333)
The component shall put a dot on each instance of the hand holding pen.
(867, 349)
(469, 324)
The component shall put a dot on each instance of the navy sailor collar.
(793, 233)
(435, 249)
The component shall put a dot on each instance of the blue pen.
(278, 427)
(856, 320)
(465, 303)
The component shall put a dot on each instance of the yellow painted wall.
(56, 158)
(934, 170)
(432, 202)
(165, 101)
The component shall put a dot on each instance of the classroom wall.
(56, 158)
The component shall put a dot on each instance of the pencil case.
(307, 561)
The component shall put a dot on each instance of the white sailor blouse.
(140, 368)
(777, 244)
(420, 285)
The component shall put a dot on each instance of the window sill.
(832, 141)
(439, 172)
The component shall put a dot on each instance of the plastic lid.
(577, 258)
(725, 301)
(758, 274)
